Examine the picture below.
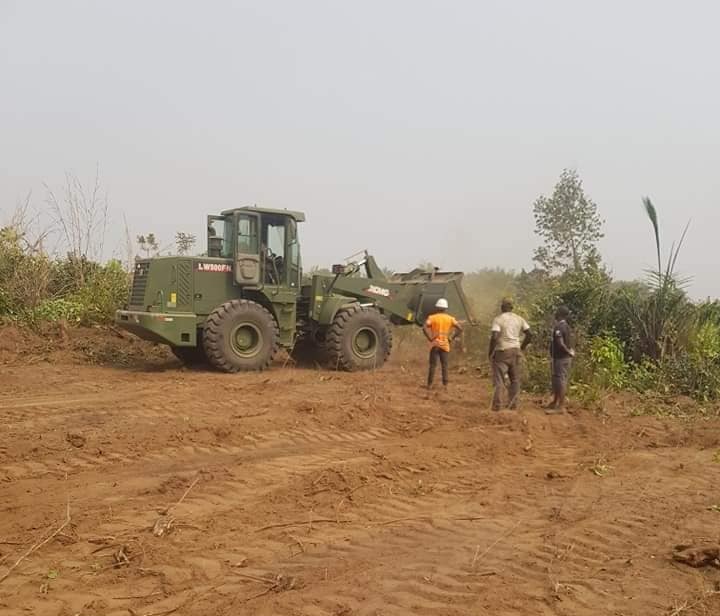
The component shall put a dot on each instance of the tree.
(663, 318)
(148, 243)
(81, 214)
(569, 225)
(184, 242)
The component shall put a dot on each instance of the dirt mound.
(19, 342)
(110, 347)
(11, 339)
(59, 343)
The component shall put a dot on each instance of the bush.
(704, 342)
(697, 377)
(52, 310)
(643, 376)
(607, 359)
(105, 291)
(24, 274)
(34, 288)
(536, 373)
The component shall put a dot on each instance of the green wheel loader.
(235, 307)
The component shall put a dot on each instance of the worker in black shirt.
(561, 356)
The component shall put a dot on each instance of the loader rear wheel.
(359, 338)
(240, 335)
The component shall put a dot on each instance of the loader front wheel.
(359, 339)
(240, 335)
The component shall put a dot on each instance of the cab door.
(248, 271)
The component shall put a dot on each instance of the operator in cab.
(440, 328)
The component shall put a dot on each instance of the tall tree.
(568, 224)
(148, 244)
(184, 242)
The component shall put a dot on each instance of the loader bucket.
(431, 286)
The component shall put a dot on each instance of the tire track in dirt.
(416, 589)
(265, 475)
(576, 564)
(274, 471)
(44, 412)
(601, 550)
(74, 461)
(422, 580)
(130, 399)
(224, 497)
(269, 468)
(420, 593)
(519, 553)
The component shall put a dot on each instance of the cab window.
(276, 238)
(247, 235)
(273, 244)
(219, 238)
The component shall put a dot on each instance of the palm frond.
(663, 318)
(674, 256)
(652, 215)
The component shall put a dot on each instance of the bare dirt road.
(154, 490)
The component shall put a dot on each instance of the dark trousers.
(435, 355)
(561, 374)
(506, 364)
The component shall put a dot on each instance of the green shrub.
(689, 375)
(104, 292)
(536, 372)
(607, 360)
(95, 302)
(24, 274)
(704, 342)
(643, 376)
(51, 310)
(587, 395)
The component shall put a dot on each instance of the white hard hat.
(441, 303)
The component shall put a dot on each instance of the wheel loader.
(237, 305)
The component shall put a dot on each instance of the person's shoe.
(554, 410)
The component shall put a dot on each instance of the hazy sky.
(419, 130)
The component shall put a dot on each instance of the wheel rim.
(365, 343)
(246, 340)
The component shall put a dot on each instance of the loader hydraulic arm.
(404, 298)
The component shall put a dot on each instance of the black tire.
(359, 338)
(240, 335)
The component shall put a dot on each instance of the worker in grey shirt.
(509, 336)
(561, 356)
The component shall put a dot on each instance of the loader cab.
(262, 243)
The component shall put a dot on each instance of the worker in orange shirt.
(438, 329)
